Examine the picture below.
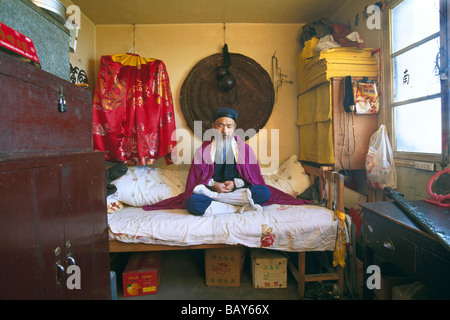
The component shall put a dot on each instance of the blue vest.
(225, 172)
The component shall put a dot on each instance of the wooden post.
(301, 280)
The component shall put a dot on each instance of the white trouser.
(226, 202)
(217, 207)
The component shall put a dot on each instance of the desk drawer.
(436, 268)
(390, 244)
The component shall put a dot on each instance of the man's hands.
(224, 187)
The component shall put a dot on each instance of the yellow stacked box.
(335, 62)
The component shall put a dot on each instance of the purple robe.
(202, 170)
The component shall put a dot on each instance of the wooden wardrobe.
(52, 189)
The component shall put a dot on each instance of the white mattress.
(280, 227)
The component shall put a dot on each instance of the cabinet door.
(86, 234)
(53, 214)
(31, 229)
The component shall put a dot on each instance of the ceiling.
(102, 12)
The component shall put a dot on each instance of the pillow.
(142, 185)
(113, 205)
(290, 177)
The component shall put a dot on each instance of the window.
(417, 79)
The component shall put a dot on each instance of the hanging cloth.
(340, 249)
(133, 115)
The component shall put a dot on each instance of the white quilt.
(280, 227)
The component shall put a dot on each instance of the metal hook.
(276, 71)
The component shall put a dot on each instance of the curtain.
(133, 115)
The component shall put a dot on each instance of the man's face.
(225, 125)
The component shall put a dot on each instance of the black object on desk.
(392, 236)
(414, 213)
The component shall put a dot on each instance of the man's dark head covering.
(225, 112)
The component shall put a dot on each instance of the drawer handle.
(70, 260)
(62, 106)
(388, 244)
(59, 273)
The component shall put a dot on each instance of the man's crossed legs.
(205, 202)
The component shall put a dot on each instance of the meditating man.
(226, 190)
(225, 176)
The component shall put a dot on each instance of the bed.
(296, 229)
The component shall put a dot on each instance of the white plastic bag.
(380, 166)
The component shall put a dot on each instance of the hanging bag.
(380, 166)
(366, 98)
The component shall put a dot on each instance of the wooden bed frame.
(335, 191)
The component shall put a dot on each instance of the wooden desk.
(392, 236)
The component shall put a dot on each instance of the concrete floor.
(183, 278)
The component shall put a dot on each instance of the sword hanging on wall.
(413, 212)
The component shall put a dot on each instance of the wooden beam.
(117, 246)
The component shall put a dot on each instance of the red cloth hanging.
(133, 115)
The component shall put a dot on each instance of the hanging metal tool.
(226, 79)
(278, 77)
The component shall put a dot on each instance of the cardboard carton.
(142, 274)
(223, 267)
(269, 269)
